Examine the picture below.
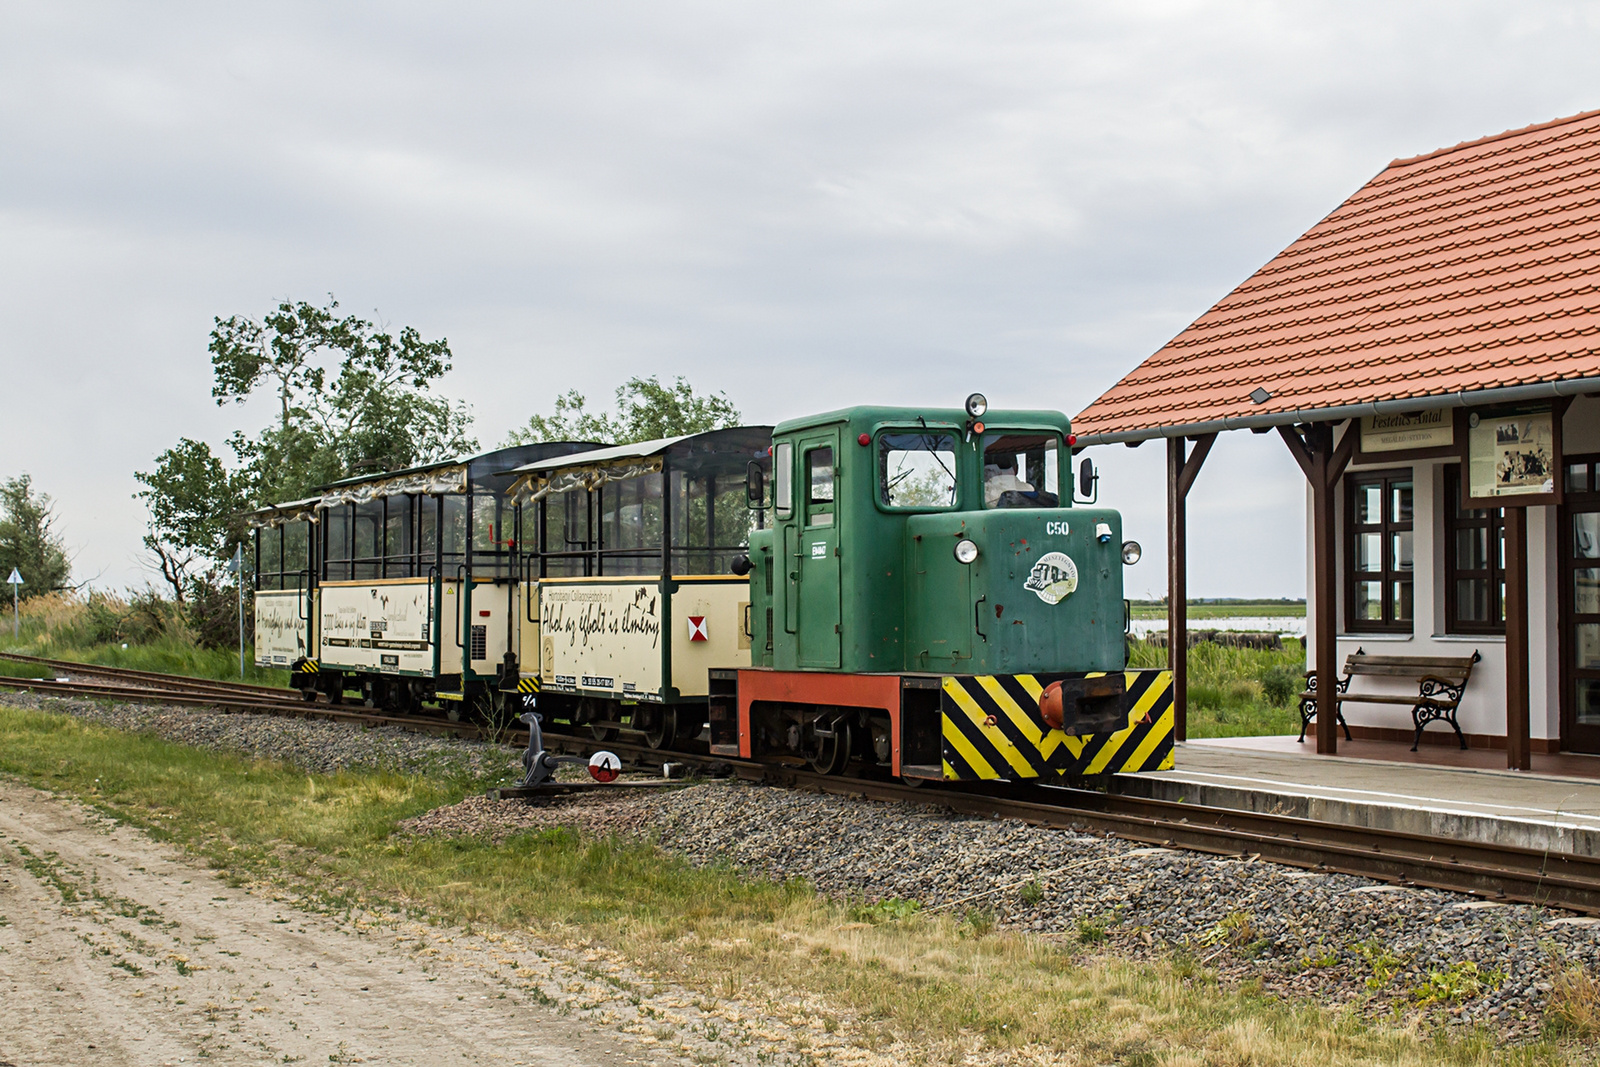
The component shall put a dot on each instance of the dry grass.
(1575, 1002)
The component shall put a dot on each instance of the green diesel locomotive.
(930, 599)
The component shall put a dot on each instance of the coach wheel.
(663, 728)
(589, 711)
(830, 753)
(308, 695)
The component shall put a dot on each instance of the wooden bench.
(1440, 682)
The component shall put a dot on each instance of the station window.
(1474, 561)
(1021, 470)
(1379, 564)
(917, 470)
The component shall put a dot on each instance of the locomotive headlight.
(977, 404)
(966, 550)
(1131, 552)
(1102, 532)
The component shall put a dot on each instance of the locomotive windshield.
(1021, 470)
(917, 470)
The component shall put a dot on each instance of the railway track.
(1499, 872)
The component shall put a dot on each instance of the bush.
(213, 615)
(1282, 685)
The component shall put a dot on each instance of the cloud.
(804, 206)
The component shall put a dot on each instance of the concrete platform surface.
(1558, 813)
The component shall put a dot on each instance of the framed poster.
(1512, 456)
(1413, 435)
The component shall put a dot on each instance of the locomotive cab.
(931, 599)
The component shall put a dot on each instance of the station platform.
(1384, 785)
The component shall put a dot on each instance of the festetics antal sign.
(1401, 433)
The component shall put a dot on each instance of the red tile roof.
(1473, 267)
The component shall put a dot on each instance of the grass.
(954, 987)
(1237, 692)
(143, 634)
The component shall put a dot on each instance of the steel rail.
(153, 678)
(1501, 872)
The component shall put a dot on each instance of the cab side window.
(819, 487)
(783, 479)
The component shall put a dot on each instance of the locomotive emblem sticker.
(1053, 578)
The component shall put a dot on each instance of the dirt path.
(117, 950)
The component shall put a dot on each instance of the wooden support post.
(1518, 743)
(1323, 465)
(1182, 469)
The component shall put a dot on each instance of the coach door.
(817, 553)
(1580, 606)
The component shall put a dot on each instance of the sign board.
(1413, 435)
(15, 579)
(1512, 456)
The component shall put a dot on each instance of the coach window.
(296, 554)
(1474, 559)
(1378, 556)
(453, 533)
(630, 525)
(490, 514)
(336, 551)
(368, 554)
(917, 470)
(711, 523)
(565, 552)
(269, 557)
(1020, 470)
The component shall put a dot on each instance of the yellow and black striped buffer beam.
(529, 684)
(308, 666)
(992, 729)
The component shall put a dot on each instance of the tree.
(351, 398)
(194, 504)
(28, 540)
(646, 410)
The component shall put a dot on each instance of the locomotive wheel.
(830, 755)
(663, 728)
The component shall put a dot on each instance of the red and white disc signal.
(605, 767)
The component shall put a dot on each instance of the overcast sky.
(804, 205)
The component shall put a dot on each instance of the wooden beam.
(1297, 449)
(1178, 587)
(1324, 480)
(1518, 744)
(1183, 467)
(1192, 465)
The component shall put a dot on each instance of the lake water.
(1272, 624)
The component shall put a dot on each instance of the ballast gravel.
(319, 746)
(1334, 938)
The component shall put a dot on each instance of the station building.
(1430, 353)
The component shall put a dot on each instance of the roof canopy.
(1468, 275)
(592, 469)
